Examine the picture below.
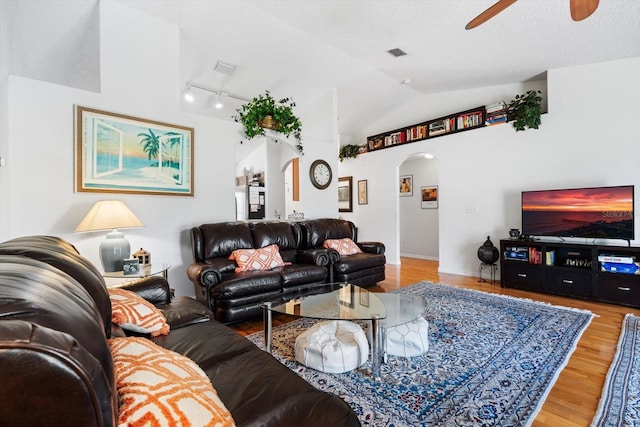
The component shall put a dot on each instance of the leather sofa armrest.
(154, 289)
(317, 256)
(204, 275)
(372, 247)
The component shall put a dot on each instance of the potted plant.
(525, 111)
(348, 151)
(263, 111)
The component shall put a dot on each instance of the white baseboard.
(429, 258)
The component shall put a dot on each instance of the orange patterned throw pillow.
(344, 246)
(257, 259)
(132, 312)
(159, 387)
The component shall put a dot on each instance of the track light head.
(218, 103)
(188, 96)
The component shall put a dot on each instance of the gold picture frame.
(116, 153)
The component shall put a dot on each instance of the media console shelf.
(602, 273)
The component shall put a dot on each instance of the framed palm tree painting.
(116, 153)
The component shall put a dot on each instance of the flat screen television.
(597, 212)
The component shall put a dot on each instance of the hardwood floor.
(574, 398)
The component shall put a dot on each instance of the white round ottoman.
(332, 346)
(409, 339)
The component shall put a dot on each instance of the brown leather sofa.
(235, 297)
(56, 367)
(364, 269)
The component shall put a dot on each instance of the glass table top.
(151, 270)
(335, 301)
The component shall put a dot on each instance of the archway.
(418, 207)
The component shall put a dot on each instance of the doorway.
(418, 207)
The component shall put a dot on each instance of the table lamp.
(111, 215)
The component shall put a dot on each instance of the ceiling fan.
(580, 9)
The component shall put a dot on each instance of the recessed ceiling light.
(405, 81)
(397, 52)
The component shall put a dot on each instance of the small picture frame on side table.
(131, 267)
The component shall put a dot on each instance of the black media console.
(595, 272)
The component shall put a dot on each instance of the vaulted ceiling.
(304, 48)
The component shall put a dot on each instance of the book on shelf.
(441, 126)
(550, 257)
(496, 106)
(619, 259)
(624, 268)
(469, 120)
(535, 256)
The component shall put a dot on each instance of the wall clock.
(320, 174)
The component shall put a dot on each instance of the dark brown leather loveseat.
(237, 296)
(56, 367)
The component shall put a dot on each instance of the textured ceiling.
(304, 48)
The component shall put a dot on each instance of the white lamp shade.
(111, 215)
(108, 215)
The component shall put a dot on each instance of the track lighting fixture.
(189, 97)
(218, 103)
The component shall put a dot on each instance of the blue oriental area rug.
(491, 361)
(620, 400)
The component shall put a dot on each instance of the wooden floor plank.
(574, 398)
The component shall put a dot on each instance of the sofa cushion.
(134, 313)
(236, 285)
(344, 246)
(357, 262)
(184, 311)
(160, 387)
(298, 274)
(265, 258)
(222, 239)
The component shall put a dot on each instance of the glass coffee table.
(343, 301)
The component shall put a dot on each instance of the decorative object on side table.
(131, 267)
(143, 256)
(263, 111)
(488, 255)
(111, 215)
(524, 110)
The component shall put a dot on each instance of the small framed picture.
(406, 185)
(131, 267)
(429, 197)
(362, 192)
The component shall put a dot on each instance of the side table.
(118, 277)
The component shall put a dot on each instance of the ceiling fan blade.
(582, 9)
(491, 12)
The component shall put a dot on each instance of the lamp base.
(113, 250)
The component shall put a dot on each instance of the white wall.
(588, 138)
(36, 136)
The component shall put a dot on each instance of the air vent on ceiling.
(397, 52)
(224, 68)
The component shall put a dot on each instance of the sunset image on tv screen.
(603, 212)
